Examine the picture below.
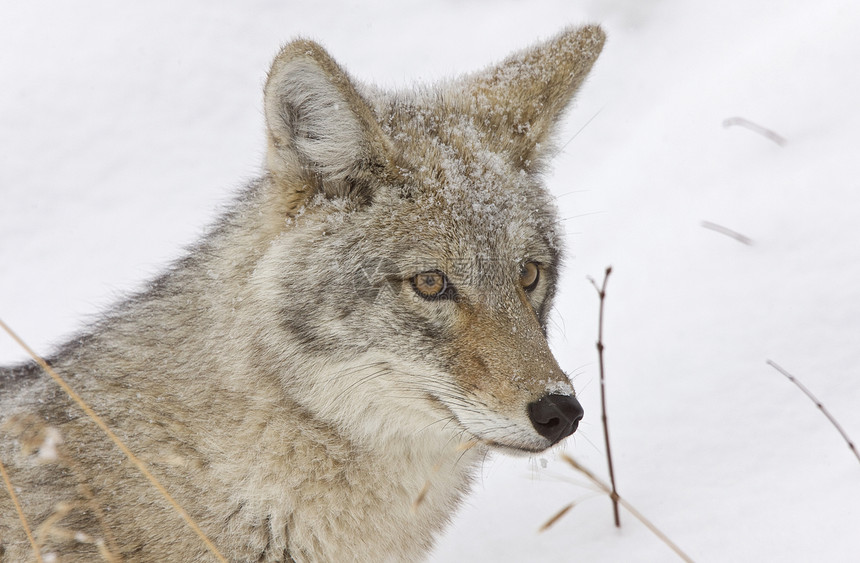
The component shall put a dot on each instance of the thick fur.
(285, 380)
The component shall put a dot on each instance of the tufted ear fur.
(321, 133)
(520, 100)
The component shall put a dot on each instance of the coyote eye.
(432, 285)
(529, 276)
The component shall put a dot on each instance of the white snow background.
(124, 127)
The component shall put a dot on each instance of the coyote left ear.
(521, 99)
(321, 132)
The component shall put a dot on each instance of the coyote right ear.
(321, 132)
(521, 99)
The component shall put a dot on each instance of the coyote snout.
(555, 417)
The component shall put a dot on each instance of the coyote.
(320, 376)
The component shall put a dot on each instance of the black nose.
(555, 417)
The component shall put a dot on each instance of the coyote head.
(413, 251)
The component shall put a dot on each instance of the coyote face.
(445, 290)
(431, 241)
(304, 381)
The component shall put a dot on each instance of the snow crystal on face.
(483, 194)
(48, 448)
(81, 537)
(559, 388)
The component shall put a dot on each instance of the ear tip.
(597, 34)
(586, 40)
(300, 48)
(593, 31)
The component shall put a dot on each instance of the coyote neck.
(398, 493)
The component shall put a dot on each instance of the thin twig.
(743, 239)
(119, 443)
(20, 510)
(818, 404)
(756, 128)
(638, 515)
(601, 291)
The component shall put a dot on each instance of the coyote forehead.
(476, 195)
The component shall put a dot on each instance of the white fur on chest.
(356, 480)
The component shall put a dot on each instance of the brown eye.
(432, 285)
(529, 276)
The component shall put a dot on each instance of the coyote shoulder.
(319, 377)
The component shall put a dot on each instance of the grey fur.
(285, 380)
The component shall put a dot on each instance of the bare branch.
(601, 291)
(818, 404)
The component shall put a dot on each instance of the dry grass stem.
(556, 517)
(728, 232)
(754, 127)
(638, 515)
(20, 511)
(601, 291)
(818, 404)
(119, 443)
(46, 442)
(464, 446)
(422, 494)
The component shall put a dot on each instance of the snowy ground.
(124, 127)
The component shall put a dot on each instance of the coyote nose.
(555, 417)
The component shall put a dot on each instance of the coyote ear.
(521, 99)
(321, 132)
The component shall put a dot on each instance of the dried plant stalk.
(422, 494)
(119, 443)
(555, 518)
(35, 436)
(638, 515)
(20, 511)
